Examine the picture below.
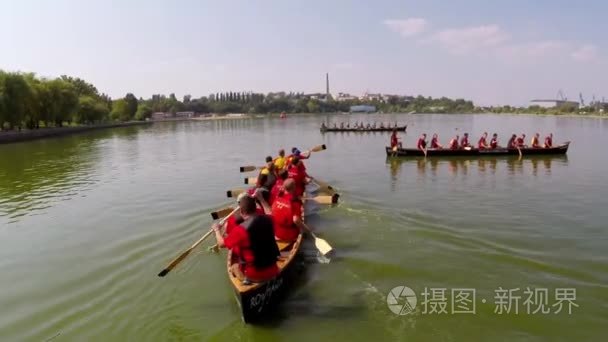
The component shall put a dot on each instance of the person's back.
(454, 143)
(512, 142)
(263, 248)
(286, 210)
(549, 141)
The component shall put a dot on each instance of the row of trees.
(32, 102)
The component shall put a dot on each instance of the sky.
(492, 52)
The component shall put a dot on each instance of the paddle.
(323, 246)
(234, 192)
(324, 187)
(183, 256)
(333, 199)
(519, 150)
(250, 168)
(251, 180)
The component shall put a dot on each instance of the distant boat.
(412, 112)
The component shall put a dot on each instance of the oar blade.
(221, 213)
(247, 168)
(251, 180)
(324, 199)
(318, 148)
(234, 192)
(323, 246)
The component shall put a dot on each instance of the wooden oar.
(250, 168)
(183, 256)
(324, 187)
(333, 199)
(519, 150)
(323, 246)
(234, 192)
(318, 148)
(251, 180)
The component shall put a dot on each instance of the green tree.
(120, 110)
(132, 104)
(90, 110)
(143, 112)
(312, 106)
(18, 99)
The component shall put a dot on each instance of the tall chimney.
(327, 85)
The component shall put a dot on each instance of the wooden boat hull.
(413, 152)
(256, 301)
(399, 129)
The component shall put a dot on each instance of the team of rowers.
(361, 125)
(271, 211)
(457, 143)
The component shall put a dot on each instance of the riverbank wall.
(34, 134)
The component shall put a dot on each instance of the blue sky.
(494, 52)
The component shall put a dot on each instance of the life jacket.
(534, 142)
(262, 244)
(464, 142)
(282, 217)
(421, 143)
(493, 143)
(394, 140)
(454, 144)
(481, 143)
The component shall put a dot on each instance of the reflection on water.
(33, 178)
(465, 166)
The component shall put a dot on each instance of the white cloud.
(516, 52)
(407, 27)
(585, 53)
(470, 39)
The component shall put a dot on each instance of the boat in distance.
(383, 129)
(525, 151)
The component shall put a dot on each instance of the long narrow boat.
(414, 152)
(256, 300)
(385, 129)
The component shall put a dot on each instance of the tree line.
(28, 101)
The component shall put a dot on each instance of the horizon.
(492, 54)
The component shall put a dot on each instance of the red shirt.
(284, 209)
(494, 143)
(454, 144)
(421, 144)
(278, 185)
(520, 141)
(482, 143)
(434, 143)
(238, 242)
(464, 142)
(548, 142)
(298, 174)
(394, 140)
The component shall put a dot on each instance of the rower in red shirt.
(535, 142)
(278, 185)
(521, 141)
(549, 141)
(465, 141)
(395, 140)
(454, 143)
(494, 141)
(482, 143)
(253, 241)
(421, 145)
(512, 142)
(297, 172)
(435, 141)
(287, 213)
(296, 153)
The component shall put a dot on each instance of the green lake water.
(87, 221)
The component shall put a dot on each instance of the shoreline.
(42, 133)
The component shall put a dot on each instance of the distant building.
(371, 97)
(346, 97)
(184, 114)
(160, 116)
(363, 109)
(553, 103)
